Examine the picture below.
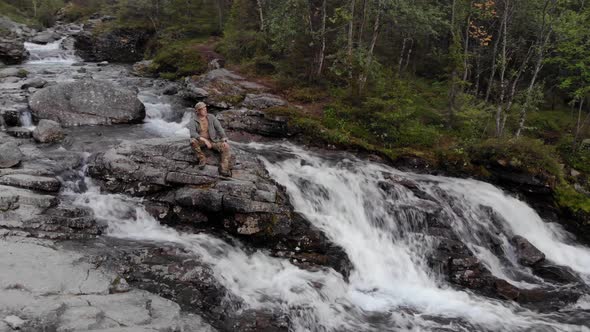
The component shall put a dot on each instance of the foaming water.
(159, 119)
(390, 287)
(51, 53)
(26, 120)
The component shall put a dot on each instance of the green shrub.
(306, 94)
(525, 154)
(179, 59)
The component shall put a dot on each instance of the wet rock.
(119, 285)
(36, 83)
(527, 254)
(170, 89)
(262, 101)
(10, 155)
(56, 289)
(506, 291)
(45, 37)
(19, 132)
(42, 183)
(117, 45)
(256, 122)
(87, 102)
(11, 115)
(12, 51)
(48, 131)
(143, 68)
(14, 322)
(556, 273)
(9, 72)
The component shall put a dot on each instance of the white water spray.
(159, 116)
(51, 53)
(390, 287)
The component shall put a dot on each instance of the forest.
(460, 83)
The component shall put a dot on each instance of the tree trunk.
(322, 50)
(578, 126)
(466, 51)
(544, 38)
(493, 70)
(477, 74)
(401, 58)
(260, 14)
(503, 65)
(351, 30)
(362, 27)
(409, 54)
(363, 78)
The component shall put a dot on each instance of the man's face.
(202, 111)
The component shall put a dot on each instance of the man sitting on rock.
(206, 131)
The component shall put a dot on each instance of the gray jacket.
(216, 132)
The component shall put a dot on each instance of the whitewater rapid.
(390, 287)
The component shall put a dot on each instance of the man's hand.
(206, 141)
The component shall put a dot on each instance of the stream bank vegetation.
(463, 84)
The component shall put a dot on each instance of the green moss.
(179, 59)
(22, 73)
(567, 197)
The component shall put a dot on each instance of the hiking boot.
(225, 173)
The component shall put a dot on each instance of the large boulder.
(48, 131)
(37, 83)
(9, 72)
(220, 88)
(10, 155)
(87, 102)
(255, 122)
(250, 205)
(527, 253)
(262, 101)
(12, 51)
(46, 37)
(117, 45)
(143, 68)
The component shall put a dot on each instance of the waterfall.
(160, 117)
(26, 120)
(57, 52)
(381, 229)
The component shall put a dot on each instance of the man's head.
(201, 108)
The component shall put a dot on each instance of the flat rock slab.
(47, 288)
(42, 183)
(27, 197)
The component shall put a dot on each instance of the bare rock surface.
(87, 102)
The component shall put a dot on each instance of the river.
(384, 230)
